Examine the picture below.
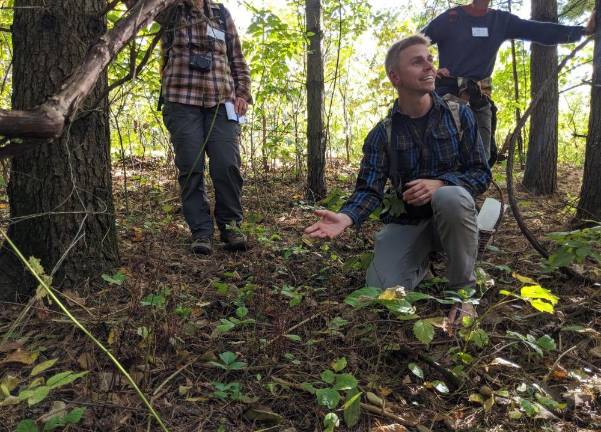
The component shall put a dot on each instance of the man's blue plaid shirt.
(443, 156)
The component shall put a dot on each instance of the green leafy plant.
(38, 273)
(73, 417)
(156, 300)
(231, 391)
(534, 402)
(541, 345)
(359, 262)
(402, 304)
(334, 200)
(575, 247)
(183, 312)
(228, 324)
(294, 294)
(38, 388)
(328, 394)
(438, 385)
(228, 362)
(116, 279)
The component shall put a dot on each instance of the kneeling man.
(432, 154)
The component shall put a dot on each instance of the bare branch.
(49, 119)
(133, 71)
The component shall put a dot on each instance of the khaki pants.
(401, 255)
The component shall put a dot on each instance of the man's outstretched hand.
(330, 225)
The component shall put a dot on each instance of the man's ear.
(394, 78)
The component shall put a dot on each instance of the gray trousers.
(401, 255)
(484, 119)
(197, 131)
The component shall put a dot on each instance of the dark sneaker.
(234, 240)
(201, 245)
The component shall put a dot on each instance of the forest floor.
(242, 341)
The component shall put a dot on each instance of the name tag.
(215, 33)
(480, 31)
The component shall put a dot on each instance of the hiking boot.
(201, 245)
(234, 240)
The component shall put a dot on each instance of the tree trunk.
(49, 119)
(540, 176)
(590, 195)
(316, 142)
(516, 95)
(60, 193)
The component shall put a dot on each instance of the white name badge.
(215, 33)
(480, 31)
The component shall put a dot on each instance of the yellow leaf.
(42, 367)
(8, 384)
(112, 336)
(389, 294)
(86, 361)
(488, 404)
(197, 399)
(20, 357)
(384, 391)
(476, 398)
(36, 383)
(392, 293)
(375, 400)
(542, 306)
(538, 292)
(524, 279)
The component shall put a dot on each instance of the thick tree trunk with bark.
(590, 195)
(540, 176)
(316, 140)
(60, 193)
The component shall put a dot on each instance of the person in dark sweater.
(469, 38)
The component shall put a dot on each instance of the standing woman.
(205, 89)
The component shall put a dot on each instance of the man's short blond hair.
(394, 52)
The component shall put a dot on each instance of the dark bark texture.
(540, 176)
(590, 195)
(60, 193)
(316, 139)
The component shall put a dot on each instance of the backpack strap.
(454, 103)
(173, 17)
(227, 39)
(387, 122)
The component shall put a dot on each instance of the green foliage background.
(356, 36)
